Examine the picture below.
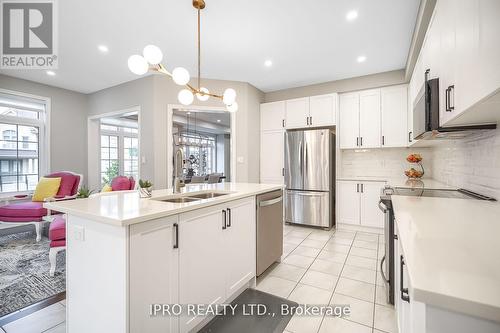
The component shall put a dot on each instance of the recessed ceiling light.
(218, 120)
(351, 15)
(103, 48)
(51, 73)
(268, 63)
(188, 112)
(361, 59)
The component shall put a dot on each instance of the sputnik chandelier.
(151, 61)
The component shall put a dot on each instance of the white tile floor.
(319, 267)
(332, 267)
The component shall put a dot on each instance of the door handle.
(404, 291)
(224, 219)
(270, 202)
(451, 89)
(229, 217)
(176, 236)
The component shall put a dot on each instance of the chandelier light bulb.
(229, 96)
(137, 64)
(152, 54)
(233, 107)
(185, 97)
(180, 76)
(201, 97)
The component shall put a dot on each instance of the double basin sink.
(194, 197)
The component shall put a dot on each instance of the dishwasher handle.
(270, 202)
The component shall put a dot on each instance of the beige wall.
(68, 123)
(356, 83)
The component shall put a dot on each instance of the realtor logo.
(28, 34)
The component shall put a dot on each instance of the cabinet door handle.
(362, 188)
(307, 120)
(451, 97)
(361, 141)
(357, 188)
(310, 120)
(409, 136)
(404, 291)
(383, 140)
(176, 236)
(229, 217)
(283, 123)
(357, 141)
(224, 226)
(446, 100)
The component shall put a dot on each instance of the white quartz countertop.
(400, 182)
(452, 251)
(125, 208)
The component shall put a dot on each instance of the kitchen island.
(124, 254)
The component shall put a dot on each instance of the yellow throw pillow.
(46, 188)
(106, 188)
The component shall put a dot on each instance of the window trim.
(120, 134)
(43, 124)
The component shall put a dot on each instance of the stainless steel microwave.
(426, 122)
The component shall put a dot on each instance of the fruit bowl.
(414, 158)
(414, 174)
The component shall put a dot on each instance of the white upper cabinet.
(394, 102)
(315, 111)
(297, 113)
(272, 116)
(462, 48)
(369, 119)
(349, 120)
(322, 110)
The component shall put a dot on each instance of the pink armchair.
(57, 237)
(122, 183)
(32, 212)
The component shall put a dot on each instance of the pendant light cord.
(199, 52)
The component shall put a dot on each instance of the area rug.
(24, 272)
(245, 320)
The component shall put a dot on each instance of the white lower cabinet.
(154, 273)
(200, 257)
(358, 203)
(212, 267)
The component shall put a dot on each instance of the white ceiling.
(308, 41)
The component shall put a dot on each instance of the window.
(119, 152)
(22, 143)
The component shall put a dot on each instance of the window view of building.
(21, 126)
(119, 149)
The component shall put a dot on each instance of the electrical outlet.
(79, 233)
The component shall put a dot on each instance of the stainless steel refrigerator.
(310, 177)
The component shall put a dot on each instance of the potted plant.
(145, 188)
(84, 192)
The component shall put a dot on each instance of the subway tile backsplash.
(473, 164)
(386, 162)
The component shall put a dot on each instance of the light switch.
(240, 159)
(143, 159)
(79, 233)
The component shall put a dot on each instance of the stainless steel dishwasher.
(269, 229)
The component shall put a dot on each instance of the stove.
(438, 193)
